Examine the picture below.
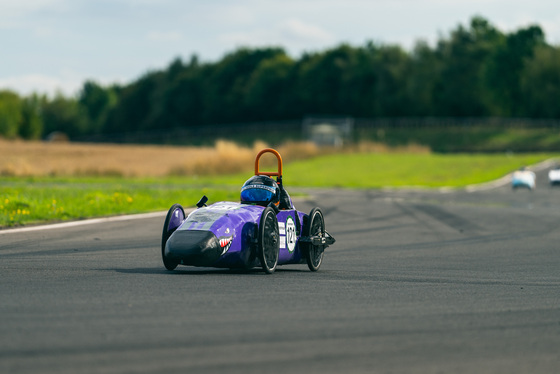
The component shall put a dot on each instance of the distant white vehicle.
(554, 176)
(523, 178)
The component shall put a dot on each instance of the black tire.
(168, 263)
(268, 246)
(315, 227)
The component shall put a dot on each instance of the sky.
(50, 46)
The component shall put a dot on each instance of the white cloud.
(68, 83)
(29, 83)
(231, 14)
(40, 31)
(293, 34)
(163, 36)
(20, 7)
(304, 31)
(551, 28)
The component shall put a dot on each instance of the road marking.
(507, 178)
(84, 222)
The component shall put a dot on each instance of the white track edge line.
(53, 226)
(506, 179)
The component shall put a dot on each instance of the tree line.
(475, 71)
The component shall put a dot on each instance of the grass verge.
(27, 201)
(376, 170)
(31, 200)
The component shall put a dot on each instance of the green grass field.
(25, 201)
(405, 170)
(50, 199)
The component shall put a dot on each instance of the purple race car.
(264, 229)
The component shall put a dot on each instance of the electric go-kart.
(264, 229)
(554, 176)
(523, 178)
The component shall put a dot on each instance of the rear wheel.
(315, 227)
(268, 240)
(175, 216)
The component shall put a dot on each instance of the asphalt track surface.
(417, 282)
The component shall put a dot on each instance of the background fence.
(440, 134)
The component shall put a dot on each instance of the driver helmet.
(260, 190)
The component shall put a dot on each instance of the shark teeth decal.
(225, 243)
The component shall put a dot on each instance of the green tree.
(268, 93)
(32, 119)
(183, 97)
(135, 103)
(360, 82)
(225, 84)
(318, 79)
(420, 86)
(540, 83)
(460, 89)
(97, 102)
(390, 66)
(504, 72)
(64, 115)
(10, 114)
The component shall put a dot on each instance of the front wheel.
(268, 240)
(175, 216)
(315, 228)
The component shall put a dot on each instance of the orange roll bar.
(269, 173)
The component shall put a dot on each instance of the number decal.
(290, 234)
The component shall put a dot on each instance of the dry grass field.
(35, 158)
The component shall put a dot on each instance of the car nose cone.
(193, 247)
